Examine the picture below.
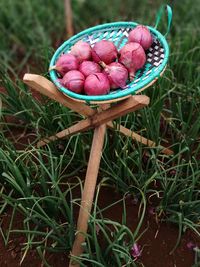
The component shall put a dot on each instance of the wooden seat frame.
(99, 119)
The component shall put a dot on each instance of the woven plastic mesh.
(157, 57)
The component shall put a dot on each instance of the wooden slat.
(131, 104)
(47, 88)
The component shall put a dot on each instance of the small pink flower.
(136, 251)
(173, 172)
(152, 210)
(191, 245)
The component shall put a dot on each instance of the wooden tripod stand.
(99, 119)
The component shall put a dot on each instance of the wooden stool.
(99, 119)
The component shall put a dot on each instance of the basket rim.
(122, 93)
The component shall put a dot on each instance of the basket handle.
(169, 17)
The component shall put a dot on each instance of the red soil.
(157, 242)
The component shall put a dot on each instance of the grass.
(37, 182)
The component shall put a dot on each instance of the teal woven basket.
(117, 32)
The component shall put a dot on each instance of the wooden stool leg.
(139, 138)
(80, 126)
(88, 191)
